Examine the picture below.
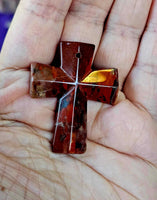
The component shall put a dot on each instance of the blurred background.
(7, 9)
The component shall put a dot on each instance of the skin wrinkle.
(134, 156)
(29, 148)
(91, 16)
(46, 11)
(3, 171)
(62, 180)
(33, 131)
(91, 192)
(124, 31)
(110, 148)
(13, 82)
(28, 168)
(17, 184)
(136, 138)
(79, 170)
(14, 181)
(11, 186)
(24, 145)
(100, 7)
(86, 3)
(88, 19)
(33, 143)
(141, 107)
(26, 186)
(13, 68)
(148, 68)
(118, 187)
(15, 116)
(25, 167)
(108, 180)
(135, 5)
(26, 125)
(5, 101)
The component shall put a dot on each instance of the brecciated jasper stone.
(72, 80)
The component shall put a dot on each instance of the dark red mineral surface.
(72, 80)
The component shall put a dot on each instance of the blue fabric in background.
(5, 20)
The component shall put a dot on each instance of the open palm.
(121, 157)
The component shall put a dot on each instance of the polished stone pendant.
(72, 80)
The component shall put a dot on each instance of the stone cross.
(72, 80)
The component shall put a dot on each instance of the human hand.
(121, 157)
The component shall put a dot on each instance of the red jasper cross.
(73, 82)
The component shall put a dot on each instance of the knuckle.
(46, 10)
(88, 11)
(123, 30)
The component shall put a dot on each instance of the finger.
(34, 33)
(122, 35)
(140, 86)
(120, 127)
(33, 36)
(84, 23)
(85, 20)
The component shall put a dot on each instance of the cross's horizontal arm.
(101, 85)
(48, 81)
